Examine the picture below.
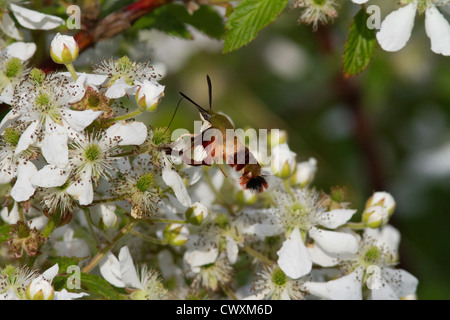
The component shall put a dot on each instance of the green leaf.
(4, 230)
(172, 19)
(99, 286)
(204, 19)
(248, 18)
(360, 45)
(164, 19)
(64, 262)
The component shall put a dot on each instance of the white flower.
(63, 49)
(123, 274)
(272, 283)
(124, 76)
(149, 94)
(14, 164)
(14, 281)
(45, 108)
(300, 213)
(13, 70)
(397, 27)
(371, 264)
(21, 284)
(90, 158)
(29, 19)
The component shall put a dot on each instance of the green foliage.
(174, 18)
(98, 286)
(64, 262)
(248, 18)
(360, 46)
(4, 230)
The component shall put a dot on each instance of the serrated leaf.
(248, 18)
(4, 230)
(360, 45)
(99, 286)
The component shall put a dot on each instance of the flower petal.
(335, 242)
(21, 50)
(28, 137)
(50, 273)
(128, 271)
(388, 237)
(334, 218)
(50, 176)
(110, 270)
(66, 295)
(438, 30)
(119, 89)
(8, 26)
(82, 190)
(200, 257)
(79, 120)
(23, 189)
(232, 249)
(293, 257)
(34, 20)
(54, 146)
(402, 282)
(396, 28)
(129, 133)
(173, 180)
(10, 217)
(345, 288)
(8, 119)
(320, 257)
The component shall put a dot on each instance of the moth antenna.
(193, 102)
(176, 109)
(209, 91)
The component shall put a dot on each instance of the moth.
(215, 144)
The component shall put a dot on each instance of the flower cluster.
(83, 180)
(396, 28)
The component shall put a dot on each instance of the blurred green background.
(386, 129)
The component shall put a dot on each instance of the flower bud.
(305, 172)
(176, 234)
(246, 197)
(383, 199)
(64, 49)
(277, 137)
(375, 217)
(283, 161)
(196, 214)
(40, 289)
(149, 94)
(103, 216)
